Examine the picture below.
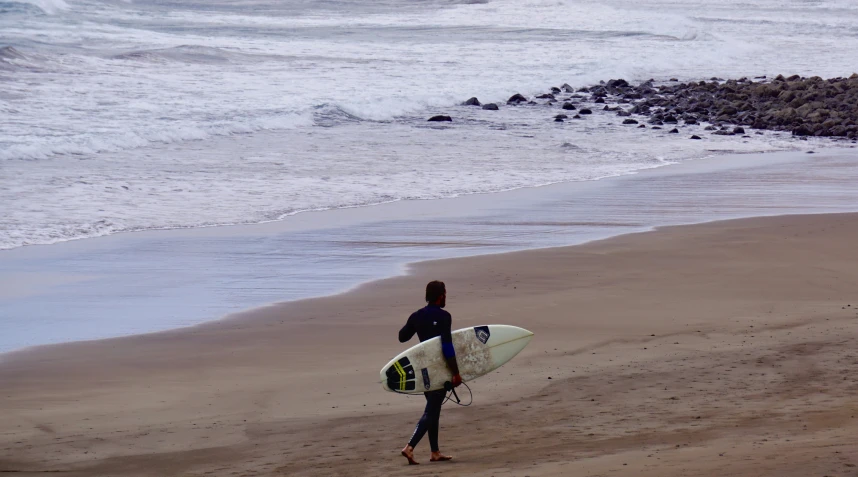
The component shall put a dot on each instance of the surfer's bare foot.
(408, 453)
(438, 457)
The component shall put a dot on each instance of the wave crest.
(50, 7)
(189, 54)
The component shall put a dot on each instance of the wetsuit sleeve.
(447, 338)
(407, 331)
(447, 345)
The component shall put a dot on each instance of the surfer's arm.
(447, 348)
(407, 331)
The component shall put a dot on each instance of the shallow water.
(157, 280)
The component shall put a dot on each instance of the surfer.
(428, 323)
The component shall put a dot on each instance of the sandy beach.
(725, 348)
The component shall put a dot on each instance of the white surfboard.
(479, 351)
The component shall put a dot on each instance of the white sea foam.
(245, 111)
(50, 7)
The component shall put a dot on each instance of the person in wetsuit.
(428, 323)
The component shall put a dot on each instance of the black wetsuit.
(428, 323)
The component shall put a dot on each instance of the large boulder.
(516, 99)
(472, 102)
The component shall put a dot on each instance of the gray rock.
(569, 106)
(630, 121)
(674, 131)
(490, 107)
(516, 99)
(472, 102)
(585, 111)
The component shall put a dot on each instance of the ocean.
(122, 116)
(134, 115)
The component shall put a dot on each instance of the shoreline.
(428, 210)
(409, 269)
(615, 320)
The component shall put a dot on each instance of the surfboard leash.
(451, 391)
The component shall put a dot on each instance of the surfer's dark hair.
(434, 290)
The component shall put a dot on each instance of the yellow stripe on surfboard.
(402, 378)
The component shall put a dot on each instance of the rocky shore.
(802, 106)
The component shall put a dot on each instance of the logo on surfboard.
(483, 333)
(426, 383)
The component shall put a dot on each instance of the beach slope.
(726, 348)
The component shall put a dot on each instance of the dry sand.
(728, 348)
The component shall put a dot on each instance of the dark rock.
(630, 121)
(739, 130)
(558, 120)
(576, 117)
(600, 100)
(491, 107)
(545, 96)
(802, 131)
(674, 131)
(674, 79)
(690, 121)
(642, 126)
(567, 88)
(516, 98)
(618, 83)
(585, 111)
(440, 117)
(561, 116)
(792, 78)
(670, 119)
(722, 133)
(555, 90)
(472, 102)
(622, 113)
(656, 127)
(696, 137)
(569, 106)
(710, 128)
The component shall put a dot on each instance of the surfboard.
(479, 351)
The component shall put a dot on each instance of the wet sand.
(726, 348)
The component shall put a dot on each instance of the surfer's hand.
(457, 380)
